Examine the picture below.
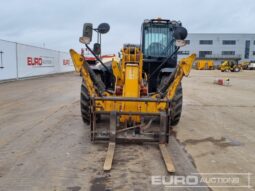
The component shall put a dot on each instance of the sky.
(57, 24)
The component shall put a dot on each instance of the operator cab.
(159, 43)
(156, 38)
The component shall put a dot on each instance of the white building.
(220, 46)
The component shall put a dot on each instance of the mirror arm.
(98, 59)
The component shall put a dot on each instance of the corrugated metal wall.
(20, 61)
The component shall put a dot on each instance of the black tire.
(85, 104)
(175, 114)
(163, 81)
(177, 107)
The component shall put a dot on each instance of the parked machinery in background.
(251, 65)
(248, 65)
(230, 65)
(204, 65)
(244, 65)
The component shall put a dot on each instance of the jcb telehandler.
(141, 94)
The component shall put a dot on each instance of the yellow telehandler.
(231, 66)
(141, 89)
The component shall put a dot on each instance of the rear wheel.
(85, 104)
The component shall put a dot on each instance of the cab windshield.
(157, 41)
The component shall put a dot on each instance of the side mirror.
(103, 28)
(87, 33)
(97, 48)
(180, 33)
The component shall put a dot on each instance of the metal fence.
(21, 61)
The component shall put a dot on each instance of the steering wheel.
(156, 48)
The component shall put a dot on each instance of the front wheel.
(85, 103)
(175, 113)
(176, 107)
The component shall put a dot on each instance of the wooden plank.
(167, 158)
(109, 157)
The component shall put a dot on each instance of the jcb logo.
(34, 61)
